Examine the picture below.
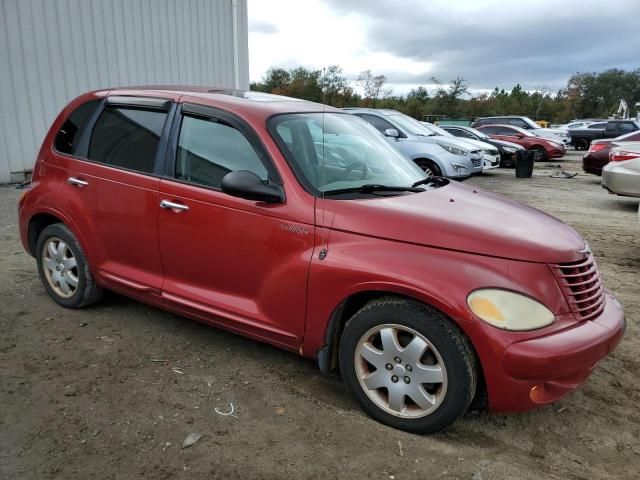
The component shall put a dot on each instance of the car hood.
(475, 144)
(549, 133)
(457, 217)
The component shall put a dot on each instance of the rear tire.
(429, 167)
(581, 143)
(426, 373)
(64, 269)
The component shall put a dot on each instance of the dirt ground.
(112, 391)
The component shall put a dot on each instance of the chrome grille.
(580, 282)
(476, 162)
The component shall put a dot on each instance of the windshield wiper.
(435, 180)
(373, 187)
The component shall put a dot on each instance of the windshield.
(531, 123)
(334, 151)
(478, 133)
(519, 131)
(409, 125)
(438, 130)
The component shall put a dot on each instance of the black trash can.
(524, 163)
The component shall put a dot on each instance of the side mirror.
(392, 132)
(519, 135)
(247, 185)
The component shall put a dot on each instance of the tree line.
(586, 95)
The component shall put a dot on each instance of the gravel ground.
(113, 390)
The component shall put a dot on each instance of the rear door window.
(127, 138)
(490, 130)
(68, 136)
(208, 149)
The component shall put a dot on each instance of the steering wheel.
(352, 167)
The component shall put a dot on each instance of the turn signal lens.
(509, 310)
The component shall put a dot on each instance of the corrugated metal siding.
(52, 51)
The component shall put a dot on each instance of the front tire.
(429, 167)
(539, 154)
(408, 366)
(64, 269)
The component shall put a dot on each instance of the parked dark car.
(598, 155)
(581, 138)
(543, 148)
(507, 150)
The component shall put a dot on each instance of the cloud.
(266, 28)
(537, 43)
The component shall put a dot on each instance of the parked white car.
(490, 154)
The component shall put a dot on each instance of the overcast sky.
(538, 43)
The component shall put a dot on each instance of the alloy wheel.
(400, 371)
(60, 267)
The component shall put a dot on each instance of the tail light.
(596, 147)
(622, 155)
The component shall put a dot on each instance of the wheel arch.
(536, 146)
(327, 357)
(427, 158)
(42, 219)
(358, 298)
(37, 224)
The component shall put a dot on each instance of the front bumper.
(556, 152)
(490, 161)
(458, 166)
(541, 370)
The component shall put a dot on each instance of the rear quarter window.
(68, 137)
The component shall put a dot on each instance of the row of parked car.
(456, 151)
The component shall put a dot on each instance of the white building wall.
(53, 50)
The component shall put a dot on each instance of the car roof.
(518, 129)
(502, 116)
(374, 111)
(258, 104)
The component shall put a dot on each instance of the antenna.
(324, 88)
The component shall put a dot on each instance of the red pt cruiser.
(299, 225)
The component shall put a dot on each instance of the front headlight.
(510, 149)
(454, 150)
(509, 310)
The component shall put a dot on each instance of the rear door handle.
(173, 205)
(76, 182)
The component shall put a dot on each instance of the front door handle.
(173, 205)
(76, 182)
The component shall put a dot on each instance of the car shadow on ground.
(283, 366)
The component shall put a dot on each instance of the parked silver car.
(490, 154)
(622, 174)
(435, 154)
